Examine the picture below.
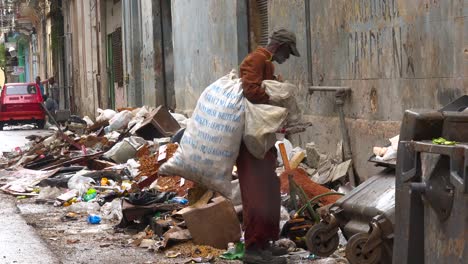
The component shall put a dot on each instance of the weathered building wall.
(152, 54)
(132, 46)
(49, 72)
(86, 59)
(112, 17)
(210, 39)
(394, 54)
(144, 52)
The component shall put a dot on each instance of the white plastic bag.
(261, 123)
(210, 145)
(112, 210)
(141, 112)
(80, 183)
(139, 115)
(84, 207)
(283, 94)
(105, 115)
(120, 120)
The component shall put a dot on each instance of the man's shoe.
(262, 257)
(277, 251)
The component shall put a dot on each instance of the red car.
(20, 104)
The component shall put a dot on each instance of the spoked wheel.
(317, 242)
(355, 250)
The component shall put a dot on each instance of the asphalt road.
(15, 136)
(19, 242)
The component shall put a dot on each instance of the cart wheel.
(316, 243)
(355, 247)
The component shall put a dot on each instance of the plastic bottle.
(94, 219)
(90, 194)
(104, 181)
(179, 200)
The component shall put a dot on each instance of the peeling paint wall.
(151, 54)
(394, 54)
(206, 45)
(131, 48)
(144, 57)
(113, 15)
(85, 63)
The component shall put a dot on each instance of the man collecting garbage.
(259, 184)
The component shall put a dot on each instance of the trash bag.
(84, 207)
(105, 115)
(139, 116)
(120, 120)
(80, 183)
(112, 210)
(261, 123)
(149, 197)
(211, 142)
(283, 94)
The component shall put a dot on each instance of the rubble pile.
(105, 171)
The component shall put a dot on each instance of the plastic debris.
(94, 219)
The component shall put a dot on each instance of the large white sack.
(261, 124)
(283, 94)
(210, 145)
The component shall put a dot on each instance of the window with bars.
(258, 23)
(117, 56)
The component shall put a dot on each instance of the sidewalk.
(18, 241)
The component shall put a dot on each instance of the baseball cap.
(286, 36)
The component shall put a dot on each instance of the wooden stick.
(284, 156)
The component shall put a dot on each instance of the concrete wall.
(132, 47)
(113, 19)
(86, 50)
(151, 58)
(205, 35)
(394, 54)
(147, 38)
(48, 45)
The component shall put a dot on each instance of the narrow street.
(15, 136)
(36, 233)
(233, 131)
(19, 241)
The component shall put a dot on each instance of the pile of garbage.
(108, 169)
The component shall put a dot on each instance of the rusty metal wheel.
(320, 242)
(355, 247)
